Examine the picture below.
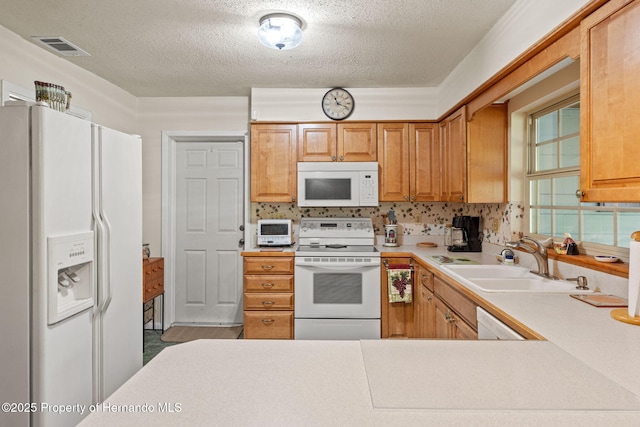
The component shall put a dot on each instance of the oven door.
(333, 290)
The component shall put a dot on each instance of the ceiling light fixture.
(280, 31)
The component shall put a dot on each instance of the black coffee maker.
(470, 228)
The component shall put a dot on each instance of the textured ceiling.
(210, 48)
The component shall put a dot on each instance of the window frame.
(530, 174)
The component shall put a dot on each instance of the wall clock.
(337, 104)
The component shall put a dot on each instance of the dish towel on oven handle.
(399, 283)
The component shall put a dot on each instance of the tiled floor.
(154, 345)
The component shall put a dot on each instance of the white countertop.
(587, 373)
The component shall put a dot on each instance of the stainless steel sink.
(500, 278)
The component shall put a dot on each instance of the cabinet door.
(442, 315)
(460, 330)
(357, 142)
(424, 158)
(609, 103)
(273, 163)
(487, 155)
(396, 319)
(393, 161)
(424, 314)
(453, 137)
(317, 142)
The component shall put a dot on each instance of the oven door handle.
(338, 267)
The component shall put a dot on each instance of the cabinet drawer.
(268, 324)
(458, 302)
(264, 301)
(425, 278)
(266, 283)
(152, 290)
(268, 265)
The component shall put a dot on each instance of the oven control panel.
(320, 227)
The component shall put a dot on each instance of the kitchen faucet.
(539, 253)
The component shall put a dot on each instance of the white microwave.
(330, 184)
(275, 232)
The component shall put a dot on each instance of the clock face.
(337, 104)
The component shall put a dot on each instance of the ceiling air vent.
(61, 46)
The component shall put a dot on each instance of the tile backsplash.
(414, 218)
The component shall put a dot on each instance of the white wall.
(23, 63)
(527, 22)
(178, 114)
(370, 104)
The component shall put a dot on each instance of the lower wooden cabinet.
(424, 319)
(455, 315)
(438, 309)
(268, 325)
(449, 325)
(268, 297)
(396, 318)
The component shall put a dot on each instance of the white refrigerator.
(71, 264)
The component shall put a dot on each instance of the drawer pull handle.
(267, 321)
(267, 285)
(267, 267)
(268, 303)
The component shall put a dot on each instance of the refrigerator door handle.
(106, 262)
(102, 227)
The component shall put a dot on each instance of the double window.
(553, 177)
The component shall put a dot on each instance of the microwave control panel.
(368, 189)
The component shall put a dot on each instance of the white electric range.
(337, 274)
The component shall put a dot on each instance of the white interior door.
(209, 218)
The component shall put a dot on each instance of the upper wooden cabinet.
(610, 103)
(393, 162)
(453, 140)
(409, 162)
(341, 142)
(273, 163)
(487, 155)
(424, 156)
(474, 156)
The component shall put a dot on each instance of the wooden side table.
(152, 287)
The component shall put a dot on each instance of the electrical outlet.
(495, 225)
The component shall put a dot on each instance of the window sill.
(619, 268)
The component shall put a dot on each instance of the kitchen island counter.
(584, 374)
(372, 383)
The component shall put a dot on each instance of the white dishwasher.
(490, 328)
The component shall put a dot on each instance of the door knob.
(241, 242)
(241, 228)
